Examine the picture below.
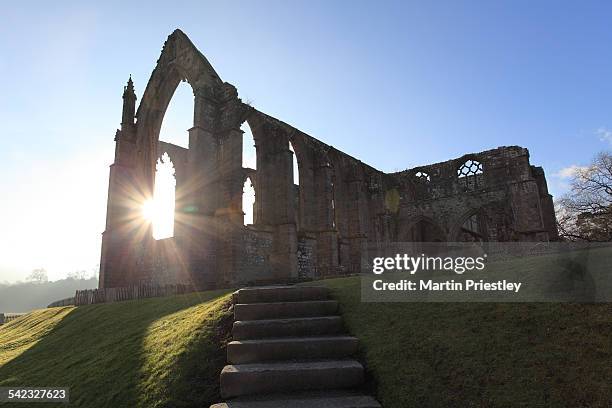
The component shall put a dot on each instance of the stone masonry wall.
(318, 226)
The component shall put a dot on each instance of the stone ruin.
(323, 227)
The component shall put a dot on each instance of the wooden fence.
(110, 295)
(63, 302)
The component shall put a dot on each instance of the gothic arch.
(420, 229)
(476, 230)
(340, 193)
(179, 61)
(248, 200)
(274, 189)
(307, 208)
(350, 194)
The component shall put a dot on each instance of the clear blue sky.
(396, 84)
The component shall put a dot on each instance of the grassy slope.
(164, 352)
(482, 354)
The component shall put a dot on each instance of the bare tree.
(95, 271)
(38, 275)
(78, 275)
(585, 213)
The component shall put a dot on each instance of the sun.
(148, 210)
(160, 209)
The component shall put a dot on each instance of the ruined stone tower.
(322, 228)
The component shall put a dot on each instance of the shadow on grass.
(482, 354)
(108, 355)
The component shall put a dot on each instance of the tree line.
(37, 291)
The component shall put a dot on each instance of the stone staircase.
(290, 351)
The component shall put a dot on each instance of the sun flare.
(160, 210)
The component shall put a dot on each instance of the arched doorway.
(422, 229)
(471, 228)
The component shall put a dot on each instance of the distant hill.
(24, 297)
(168, 352)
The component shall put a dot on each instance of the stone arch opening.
(179, 61)
(472, 227)
(422, 229)
(296, 187)
(249, 165)
(339, 194)
(308, 184)
(332, 205)
(321, 203)
(422, 176)
(249, 168)
(150, 116)
(421, 186)
(178, 117)
(248, 202)
(470, 167)
(161, 208)
(249, 150)
(173, 141)
(295, 165)
(470, 174)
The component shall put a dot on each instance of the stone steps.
(248, 379)
(280, 310)
(272, 294)
(292, 348)
(320, 400)
(289, 350)
(296, 327)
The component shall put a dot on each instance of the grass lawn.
(162, 352)
(482, 354)
(168, 352)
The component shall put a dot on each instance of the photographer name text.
(449, 285)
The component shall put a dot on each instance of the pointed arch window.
(178, 117)
(249, 161)
(472, 229)
(248, 201)
(160, 210)
(249, 152)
